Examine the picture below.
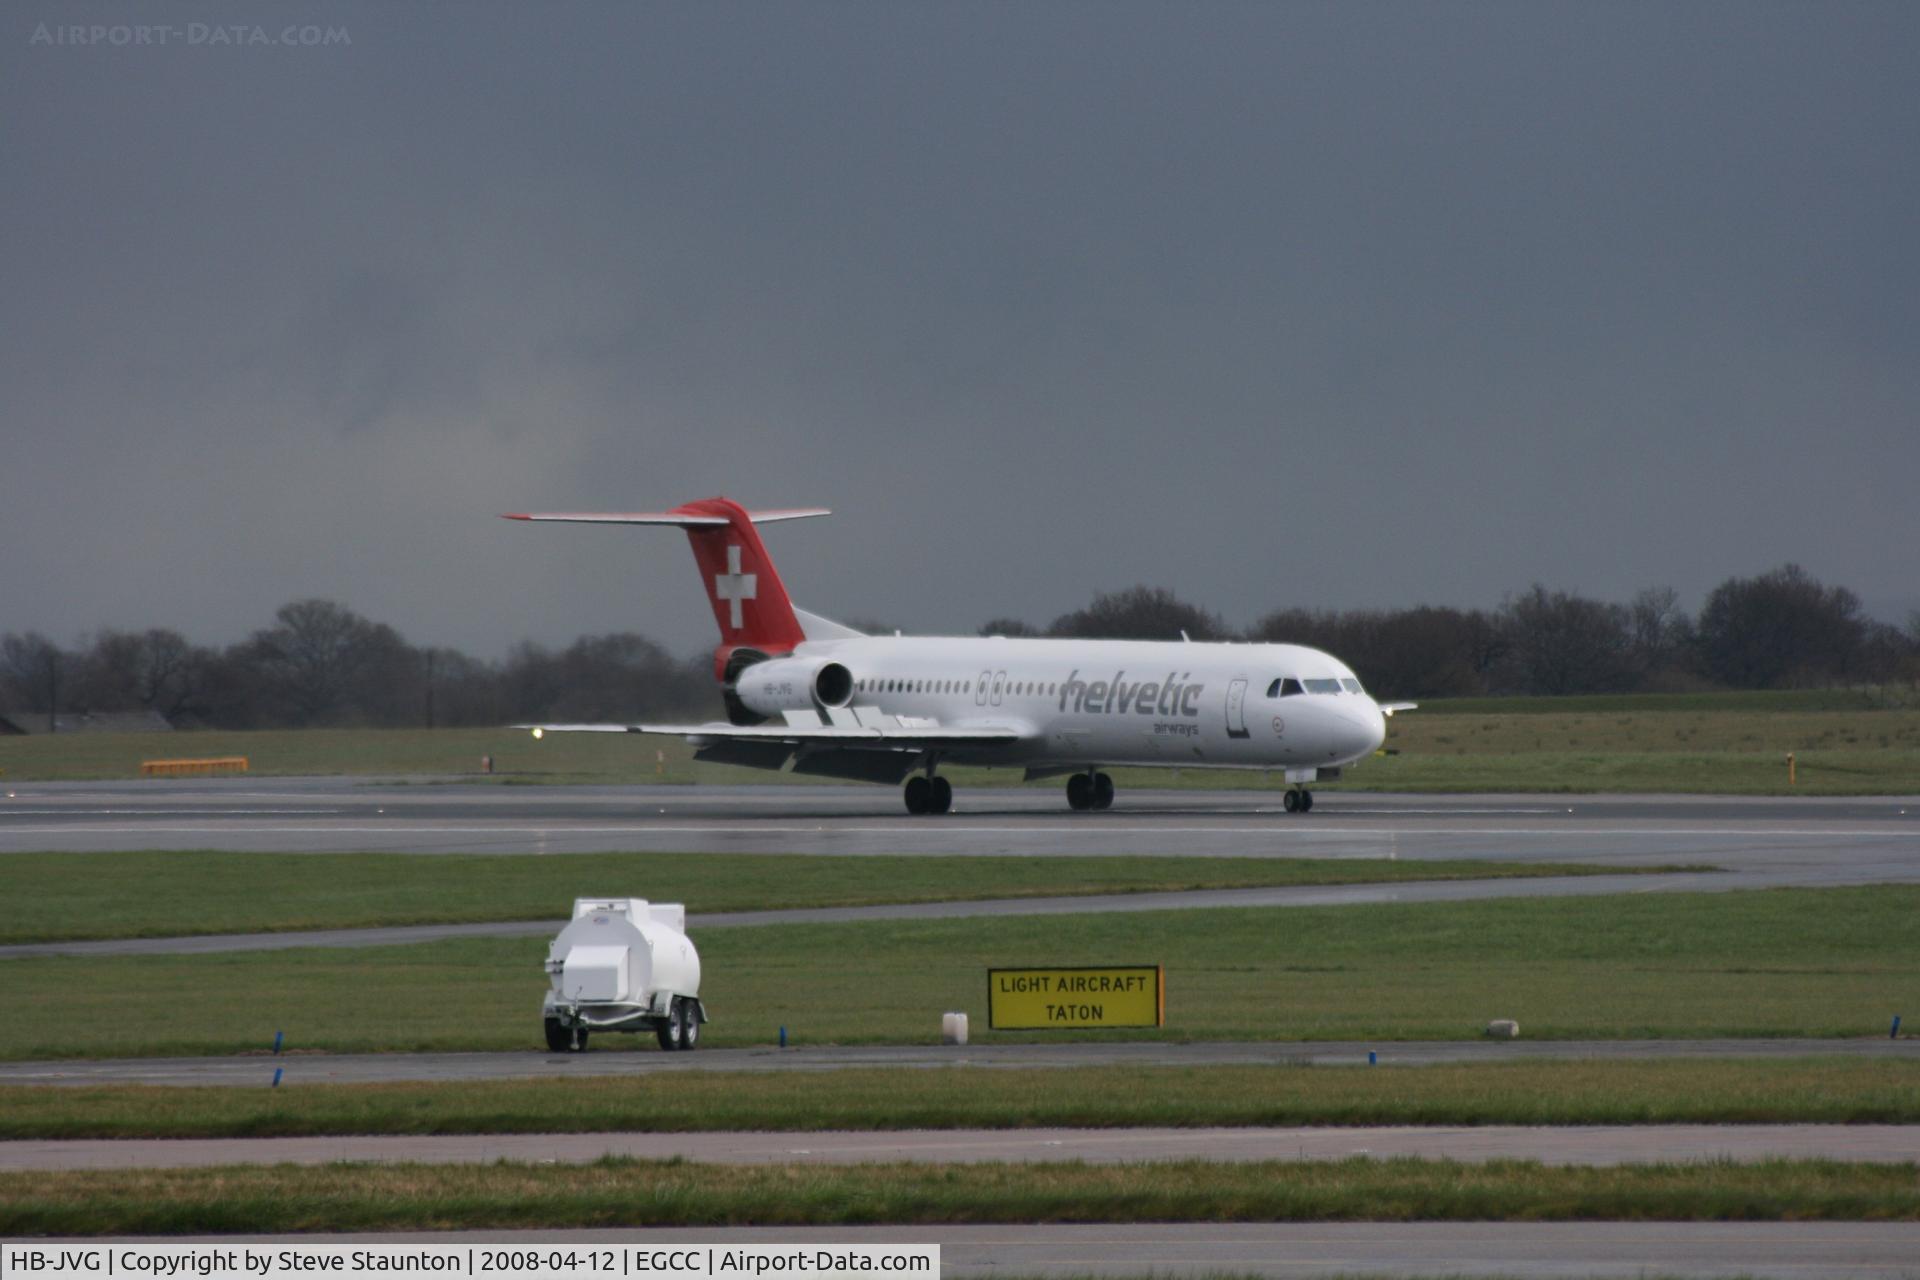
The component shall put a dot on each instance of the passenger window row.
(1013, 688)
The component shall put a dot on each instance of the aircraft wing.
(854, 728)
(1388, 708)
(898, 739)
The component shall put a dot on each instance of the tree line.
(1779, 630)
(321, 664)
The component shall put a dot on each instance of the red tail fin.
(749, 601)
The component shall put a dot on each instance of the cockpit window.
(1350, 684)
(1323, 686)
(1283, 686)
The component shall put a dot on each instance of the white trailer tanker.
(623, 964)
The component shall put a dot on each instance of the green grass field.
(1820, 773)
(1859, 698)
(1794, 963)
(1758, 1091)
(455, 753)
(60, 897)
(633, 1193)
(1846, 742)
(1733, 744)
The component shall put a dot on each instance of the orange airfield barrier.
(171, 768)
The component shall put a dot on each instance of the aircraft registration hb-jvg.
(811, 696)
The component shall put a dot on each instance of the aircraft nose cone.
(1358, 732)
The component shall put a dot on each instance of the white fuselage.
(1087, 702)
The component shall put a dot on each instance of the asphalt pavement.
(1802, 839)
(1302, 1250)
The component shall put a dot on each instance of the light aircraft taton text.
(810, 696)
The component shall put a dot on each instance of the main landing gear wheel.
(928, 795)
(919, 794)
(1298, 801)
(1090, 791)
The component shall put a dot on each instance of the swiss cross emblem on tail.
(734, 586)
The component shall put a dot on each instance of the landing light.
(538, 732)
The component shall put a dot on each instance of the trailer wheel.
(688, 1022)
(558, 1041)
(663, 1030)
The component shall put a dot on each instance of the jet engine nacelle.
(793, 684)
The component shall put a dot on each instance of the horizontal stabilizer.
(673, 519)
(819, 628)
(540, 730)
(750, 604)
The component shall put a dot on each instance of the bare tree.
(1139, 613)
(461, 691)
(1887, 655)
(530, 682)
(157, 669)
(1565, 643)
(1659, 636)
(611, 678)
(308, 661)
(1423, 652)
(32, 668)
(1779, 630)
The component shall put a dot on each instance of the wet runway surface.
(1805, 840)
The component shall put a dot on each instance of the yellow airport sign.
(1061, 996)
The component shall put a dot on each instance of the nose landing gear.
(1298, 800)
(928, 794)
(1089, 791)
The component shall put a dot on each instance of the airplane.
(809, 696)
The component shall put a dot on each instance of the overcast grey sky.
(1319, 305)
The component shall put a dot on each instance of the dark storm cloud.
(1275, 305)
